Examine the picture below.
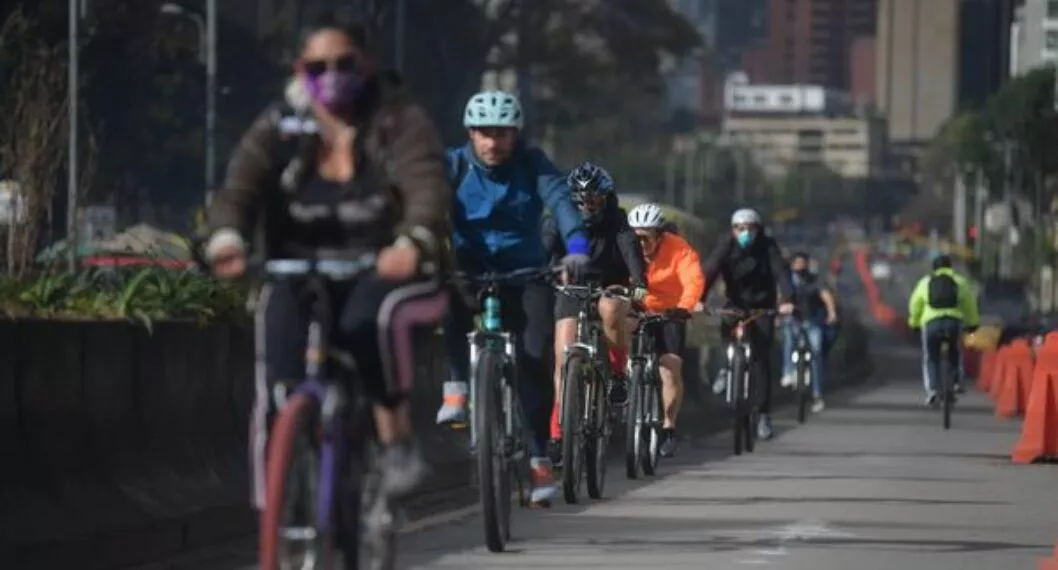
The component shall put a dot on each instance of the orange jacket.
(674, 276)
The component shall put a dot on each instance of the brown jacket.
(401, 142)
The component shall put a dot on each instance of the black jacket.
(751, 275)
(615, 251)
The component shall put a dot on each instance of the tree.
(33, 141)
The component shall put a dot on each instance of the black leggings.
(374, 322)
(762, 341)
(527, 312)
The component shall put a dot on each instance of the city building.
(810, 41)
(1034, 36)
(934, 57)
(787, 126)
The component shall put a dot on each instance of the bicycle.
(498, 428)
(802, 359)
(585, 418)
(314, 446)
(739, 390)
(947, 382)
(644, 414)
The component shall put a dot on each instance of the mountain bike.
(584, 412)
(740, 391)
(499, 431)
(319, 457)
(644, 414)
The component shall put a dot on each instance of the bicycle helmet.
(745, 216)
(493, 109)
(589, 180)
(646, 217)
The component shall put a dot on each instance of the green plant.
(144, 295)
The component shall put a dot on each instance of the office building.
(1034, 36)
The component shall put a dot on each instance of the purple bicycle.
(319, 471)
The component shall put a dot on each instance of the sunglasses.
(317, 67)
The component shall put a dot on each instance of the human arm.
(552, 188)
(232, 214)
(827, 296)
(968, 303)
(631, 252)
(714, 263)
(692, 278)
(781, 272)
(916, 304)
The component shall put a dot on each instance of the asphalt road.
(872, 483)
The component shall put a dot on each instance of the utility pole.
(959, 210)
(1006, 251)
(211, 99)
(979, 211)
(690, 158)
(77, 9)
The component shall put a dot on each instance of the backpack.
(943, 292)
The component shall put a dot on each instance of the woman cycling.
(344, 166)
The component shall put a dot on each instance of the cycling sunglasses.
(316, 67)
(593, 201)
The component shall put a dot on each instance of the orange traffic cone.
(1014, 388)
(1039, 431)
(1002, 363)
(1050, 563)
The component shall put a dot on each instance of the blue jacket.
(498, 211)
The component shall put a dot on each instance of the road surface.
(873, 483)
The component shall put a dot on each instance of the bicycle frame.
(492, 338)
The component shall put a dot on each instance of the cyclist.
(817, 310)
(674, 281)
(752, 265)
(502, 186)
(616, 258)
(941, 305)
(364, 173)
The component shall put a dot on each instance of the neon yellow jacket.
(919, 312)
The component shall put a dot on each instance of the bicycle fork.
(478, 342)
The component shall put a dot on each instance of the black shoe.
(618, 392)
(554, 451)
(668, 443)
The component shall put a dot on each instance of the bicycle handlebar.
(646, 317)
(593, 292)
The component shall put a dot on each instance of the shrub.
(143, 294)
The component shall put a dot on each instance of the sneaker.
(454, 408)
(958, 388)
(542, 475)
(618, 391)
(554, 452)
(818, 406)
(931, 399)
(788, 380)
(668, 443)
(402, 468)
(764, 430)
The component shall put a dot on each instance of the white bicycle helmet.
(646, 217)
(494, 109)
(745, 216)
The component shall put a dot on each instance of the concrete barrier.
(122, 446)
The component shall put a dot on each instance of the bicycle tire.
(572, 430)
(289, 440)
(749, 431)
(491, 465)
(653, 418)
(947, 390)
(802, 393)
(739, 413)
(595, 448)
(634, 421)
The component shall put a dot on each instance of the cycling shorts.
(670, 338)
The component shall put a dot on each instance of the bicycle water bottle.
(492, 314)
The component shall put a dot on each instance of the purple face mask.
(334, 89)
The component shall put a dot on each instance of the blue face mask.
(744, 238)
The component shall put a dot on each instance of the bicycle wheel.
(803, 390)
(739, 412)
(653, 416)
(947, 390)
(596, 432)
(573, 403)
(634, 421)
(290, 530)
(493, 478)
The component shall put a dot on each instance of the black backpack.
(943, 292)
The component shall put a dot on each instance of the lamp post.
(207, 33)
(77, 10)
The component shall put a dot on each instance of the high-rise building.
(1034, 36)
(809, 41)
(934, 57)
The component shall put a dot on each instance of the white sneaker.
(931, 399)
(788, 380)
(818, 406)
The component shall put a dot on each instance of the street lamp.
(207, 33)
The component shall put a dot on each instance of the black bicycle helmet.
(589, 180)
